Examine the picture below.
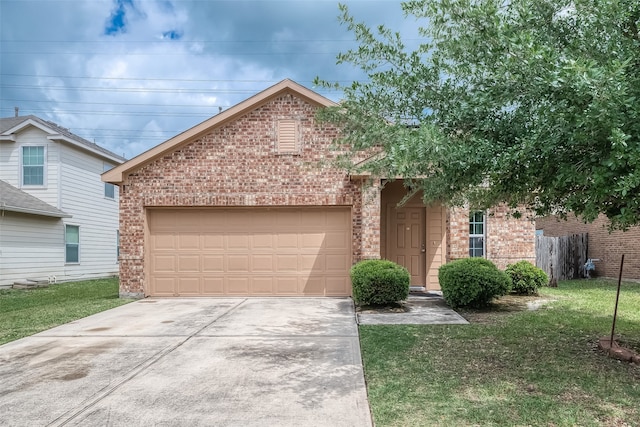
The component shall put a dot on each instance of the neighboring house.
(603, 245)
(58, 220)
(250, 203)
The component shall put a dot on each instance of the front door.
(406, 241)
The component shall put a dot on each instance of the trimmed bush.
(526, 278)
(472, 282)
(380, 282)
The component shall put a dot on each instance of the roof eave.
(39, 212)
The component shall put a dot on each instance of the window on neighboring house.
(287, 136)
(33, 165)
(477, 227)
(109, 189)
(72, 244)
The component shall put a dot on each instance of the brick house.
(606, 246)
(249, 202)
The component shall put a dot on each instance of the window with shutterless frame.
(33, 165)
(109, 189)
(477, 233)
(72, 244)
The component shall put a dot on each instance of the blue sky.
(129, 74)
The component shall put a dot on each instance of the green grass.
(27, 312)
(510, 368)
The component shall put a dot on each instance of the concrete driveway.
(183, 362)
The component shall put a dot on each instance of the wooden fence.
(562, 258)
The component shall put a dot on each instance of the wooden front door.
(406, 241)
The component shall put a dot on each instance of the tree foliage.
(523, 102)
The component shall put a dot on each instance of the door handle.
(423, 249)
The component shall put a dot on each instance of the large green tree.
(523, 102)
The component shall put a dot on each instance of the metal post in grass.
(615, 311)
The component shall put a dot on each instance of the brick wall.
(458, 233)
(605, 245)
(237, 164)
(507, 239)
(510, 240)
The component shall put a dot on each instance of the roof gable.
(12, 125)
(117, 174)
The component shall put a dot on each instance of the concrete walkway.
(188, 362)
(418, 309)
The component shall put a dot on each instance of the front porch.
(412, 235)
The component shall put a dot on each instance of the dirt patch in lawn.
(388, 308)
(503, 307)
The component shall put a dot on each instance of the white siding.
(83, 197)
(11, 164)
(33, 247)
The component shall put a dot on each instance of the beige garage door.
(256, 251)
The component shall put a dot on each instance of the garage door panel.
(336, 240)
(165, 286)
(286, 241)
(188, 241)
(337, 286)
(310, 262)
(237, 285)
(238, 263)
(336, 263)
(287, 218)
(189, 263)
(313, 286)
(262, 220)
(185, 221)
(213, 263)
(243, 252)
(239, 220)
(238, 242)
(262, 241)
(287, 263)
(262, 286)
(213, 285)
(164, 263)
(312, 240)
(212, 242)
(314, 220)
(336, 218)
(262, 263)
(163, 242)
(285, 285)
(188, 286)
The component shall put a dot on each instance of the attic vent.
(287, 136)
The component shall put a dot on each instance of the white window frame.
(66, 244)
(483, 235)
(107, 185)
(44, 166)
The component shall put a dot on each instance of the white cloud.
(175, 64)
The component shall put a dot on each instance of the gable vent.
(287, 136)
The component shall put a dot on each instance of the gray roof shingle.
(15, 200)
(11, 122)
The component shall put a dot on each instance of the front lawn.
(510, 368)
(27, 312)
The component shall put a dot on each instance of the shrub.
(526, 278)
(377, 281)
(472, 282)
